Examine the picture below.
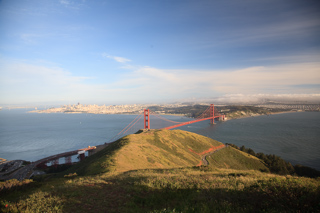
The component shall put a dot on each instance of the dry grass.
(140, 173)
(166, 190)
(161, 149)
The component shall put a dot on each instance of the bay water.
(31, 136)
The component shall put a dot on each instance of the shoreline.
(273, 113)
(182, 115)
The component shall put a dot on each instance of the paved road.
(15, 170)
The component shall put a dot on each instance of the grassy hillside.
(156, 171)
(196, 189)
(231, 158)
(148, 150)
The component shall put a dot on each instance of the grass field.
(161, 176)
(231, 158)
(147, 150)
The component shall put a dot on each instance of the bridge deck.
(190, 122)
(65, 154)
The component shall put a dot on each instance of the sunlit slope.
(148, 150)
(162, 149)
(231, 158)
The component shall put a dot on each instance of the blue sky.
(116, 52)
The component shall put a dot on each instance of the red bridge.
(54, 159)
(209, 114)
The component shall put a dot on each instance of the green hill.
(231, 158)
(154, 149)
(158, 171)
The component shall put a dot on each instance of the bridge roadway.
(26, 172)
(194, 121)
(61, 155)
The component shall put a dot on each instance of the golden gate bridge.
(142, 121)
(146, 115)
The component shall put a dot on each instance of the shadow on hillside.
(135, 194)
(161, 191)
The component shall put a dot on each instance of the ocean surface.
(31, 136)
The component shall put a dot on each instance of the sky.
(158, 51)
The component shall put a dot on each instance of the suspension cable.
(202, 115)
(160, 117)
(140, 116)
(130, 125)
(127, 127)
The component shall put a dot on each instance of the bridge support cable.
(209, 114)
(205, 114)
(186, 123)
(126, 129)
(132, 125)
(162, 118)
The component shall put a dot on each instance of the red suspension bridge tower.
(212, 113)
(146, 113)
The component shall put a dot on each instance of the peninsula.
(94, 109)
(183, 109)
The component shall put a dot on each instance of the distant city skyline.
(126, 52)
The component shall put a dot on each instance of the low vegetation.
(279, 166)
(147, 150)
(231, 158)
(161, 176)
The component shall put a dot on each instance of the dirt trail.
(203, 157)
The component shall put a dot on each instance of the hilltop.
(153, 149)
(163, 171)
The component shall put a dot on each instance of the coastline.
(256, 115)
(136, 113)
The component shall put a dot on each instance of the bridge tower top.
(212, 113)
(146, 119)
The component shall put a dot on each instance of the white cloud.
(29, 38)
(261, 98)
(285, 29)
(153, 82)
(25, 82)
(33, 38)
(71, 4)
(116, 58)
(65, 2)
(21, 82)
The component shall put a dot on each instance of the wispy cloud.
(21, 82)
(116, 58)
(65, 2)
(260, 98)
(277, 31)
(30, 38)
(72, 4)
(281, 79)
(289, 28)
(35, 38)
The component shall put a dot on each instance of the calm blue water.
(293, 136)
(31, 136)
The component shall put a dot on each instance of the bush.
(279, 166)
(306, 171)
